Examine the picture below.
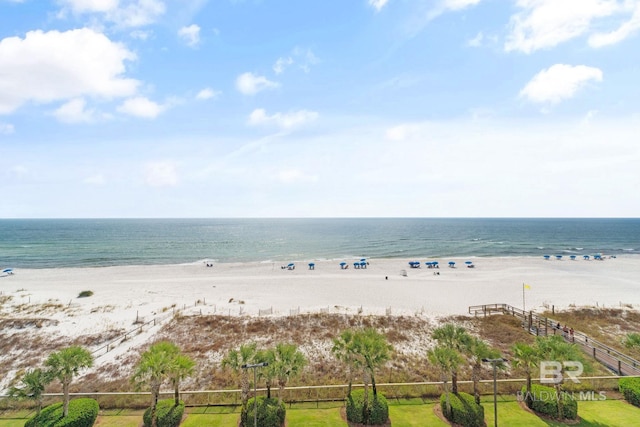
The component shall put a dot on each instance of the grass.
(606, 413)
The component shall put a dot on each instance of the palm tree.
(555, 348)
(182, 367)
(370, 350)
(234, 360)
(288, 361)
(343, 351)
(478, 350)
(455, 338)
(526, 358)
(448, 361)
(154, 367)
(268, 373)
(33, 384)
(64, 365)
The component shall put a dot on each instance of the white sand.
(150, 290)
(121, 294)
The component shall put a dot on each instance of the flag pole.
(523, 302)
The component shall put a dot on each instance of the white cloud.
(91, 6)
(402, 132)
(161, 174)
(281, 64)
(207, 93)
(476, 41)
(125, 13)
(98, 179)
(459, 4)
(6, 128)
(296, 176)
(190, 35)
(304, 58)
(378, 4)
(141, 34)
(285, 121)
(250, 84)
(624, 31)
(559, 82)
(74, 111)
(141, 106)
(546, 23)
(53, 66)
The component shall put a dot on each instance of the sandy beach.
(122, 295)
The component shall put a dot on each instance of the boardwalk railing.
(537, 324)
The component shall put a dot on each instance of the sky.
(319, 108)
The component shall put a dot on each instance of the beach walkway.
(539, 325)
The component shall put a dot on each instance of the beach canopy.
(312, 266)
(414, 264)
(452, 263)
(468, 262)
(7, 271)
(558, 256)
(572, 257)
(547, 256)
(585, 256)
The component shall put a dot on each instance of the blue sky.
(338, 108)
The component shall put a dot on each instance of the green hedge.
(630, 388)
(82, 413)
(464, 409)
(168, 414)
(544, 400)
(270, 413)
(378, 409)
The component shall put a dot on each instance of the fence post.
(619, 367)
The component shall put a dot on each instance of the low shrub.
(377, 414)
(544, 400)
(82, 413)
(270, 413)
(168, 414)
(85, 294)
(462, 409)
(630, 388)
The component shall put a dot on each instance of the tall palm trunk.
(65, 392)
(454, 381)
(365, 406)
(155, 392)
(475, 377)
(176, 393)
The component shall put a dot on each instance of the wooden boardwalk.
(617, 362)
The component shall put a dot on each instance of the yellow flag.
(526, 286)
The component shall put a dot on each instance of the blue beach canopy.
(452, 263)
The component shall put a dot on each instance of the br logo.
(551, 372)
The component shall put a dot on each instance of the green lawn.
(609, 413)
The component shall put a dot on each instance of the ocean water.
(44, 243)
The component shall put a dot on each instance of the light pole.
(255, 388)
(494, 363)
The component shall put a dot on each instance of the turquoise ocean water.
(43, 243)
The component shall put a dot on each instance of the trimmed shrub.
(544, 400)
(630, 388)
(464, 409)
(168, 414)
(270, 413)
(82, 413)
(85, 294)
(378, 408)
